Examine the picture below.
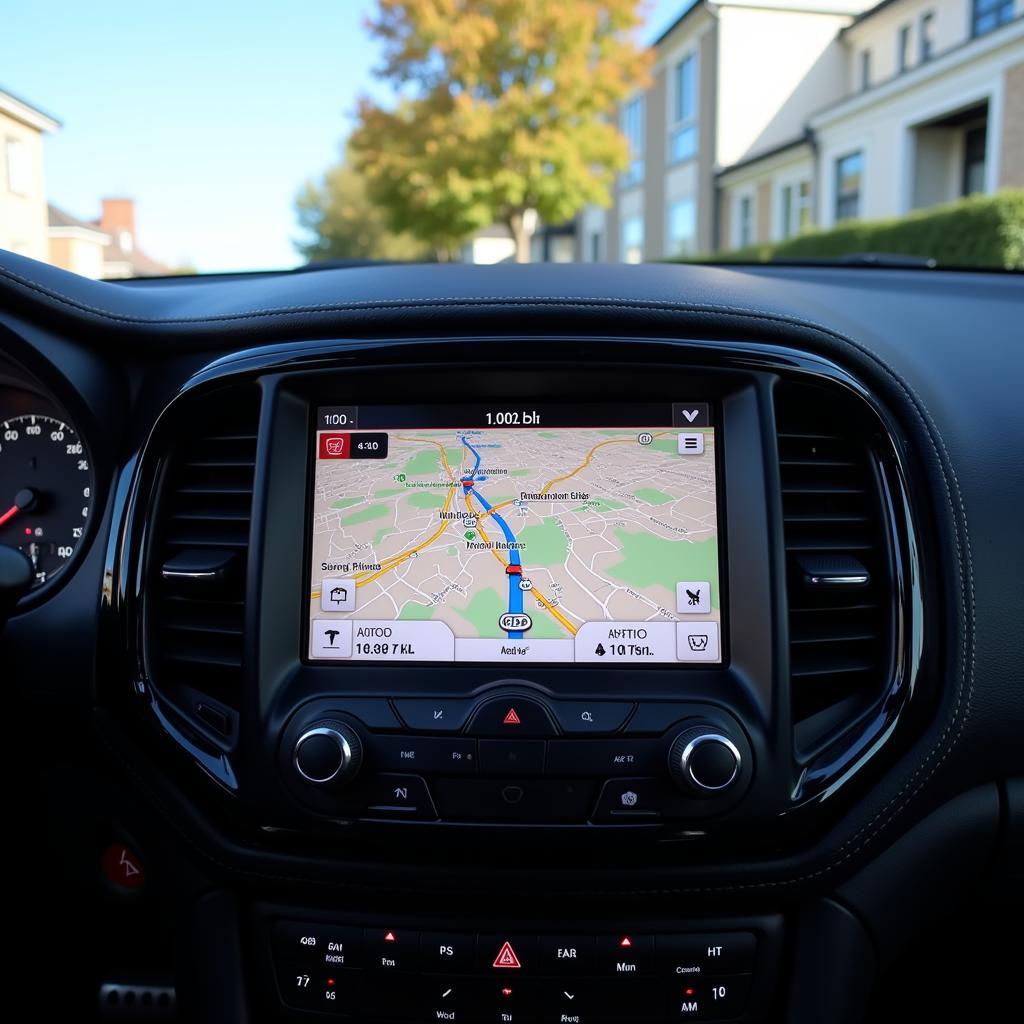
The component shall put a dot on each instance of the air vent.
(196, 574)
(839, 563)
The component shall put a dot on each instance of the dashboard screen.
(515, 533)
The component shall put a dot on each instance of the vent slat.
(197, 631)
(839, 641)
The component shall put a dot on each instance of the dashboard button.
(703, 955)
(445, 714)
(399, 796)
(508, 1001)
(449, 999)
(520, 800)
(625, 955)
(446, 952)
(507, 955)
(630, 800)
(717, 999)
(315, 988)
(405, 753)
(391, 949)
(590, 718)
(568, 1002)
(604, 757)
(327, 945)
(512, 717)
(653, 718)
(374, 713)
(512, 757)
(565, 954)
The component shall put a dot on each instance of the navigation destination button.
(626, 642)
(332, 638)
(397, 640)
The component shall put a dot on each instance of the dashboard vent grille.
(839, 576)
(196, 611)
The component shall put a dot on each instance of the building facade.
(768, 117)
(23, 211)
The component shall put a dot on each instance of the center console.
(618, 605)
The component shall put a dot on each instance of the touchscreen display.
(517, 532)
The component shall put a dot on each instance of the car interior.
(310, 713)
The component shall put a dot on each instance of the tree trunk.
(520, 235)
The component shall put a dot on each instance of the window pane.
(683, 145)
(849, 171)
(682, 227)
(633, 240)
(787, 211)
(686, 89)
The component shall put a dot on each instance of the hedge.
(979, 231)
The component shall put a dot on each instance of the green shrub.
(979, 231)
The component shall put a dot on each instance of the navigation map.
(579, 544)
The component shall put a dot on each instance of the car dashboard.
(562, 643)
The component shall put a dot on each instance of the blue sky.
(210, 114)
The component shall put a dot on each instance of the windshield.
(146, 140)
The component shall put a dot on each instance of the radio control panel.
(514, 756)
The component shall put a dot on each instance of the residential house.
(76, 245)
(23, 213)
(122, 256)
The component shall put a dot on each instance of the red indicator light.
(511, 718)
(506, 992)
(28, 531)
(330, 981)
(690, 991)
(506, 957)
(390, 937)
(625, 942)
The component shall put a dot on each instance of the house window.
(595, 246)
(849, 175)
(633, 129)
(903, 57)
(975, 143)
(633, 239)
(990, 14)
(19, 167)
(927, 36)
(865, 70)
(682, 227)
(795, 212)
(683, 142)
(745, 221)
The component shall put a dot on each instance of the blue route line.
(515, 595)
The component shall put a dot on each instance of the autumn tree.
(342, 223)
(507, 112)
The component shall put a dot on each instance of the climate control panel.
(517, 757)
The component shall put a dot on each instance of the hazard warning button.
(512, 716)
(507, 953)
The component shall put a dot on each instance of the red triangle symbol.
(626, 942)
(507, 957)
(389, 937)
(511, 718)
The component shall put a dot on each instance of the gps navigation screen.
(515, 532)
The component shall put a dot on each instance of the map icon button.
(337, 595)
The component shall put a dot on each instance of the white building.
(766, 117)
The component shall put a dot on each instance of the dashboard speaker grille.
(196, 574)
(838, 558)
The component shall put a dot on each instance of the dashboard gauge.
(46, 488)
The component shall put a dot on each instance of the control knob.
(328, 753)
(704, 761)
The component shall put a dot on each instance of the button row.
(457, 998)
(688, 957)
(457, 755)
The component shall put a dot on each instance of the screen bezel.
(714, 423)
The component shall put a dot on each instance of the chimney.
(118, 220)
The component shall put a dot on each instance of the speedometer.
(46, 489)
